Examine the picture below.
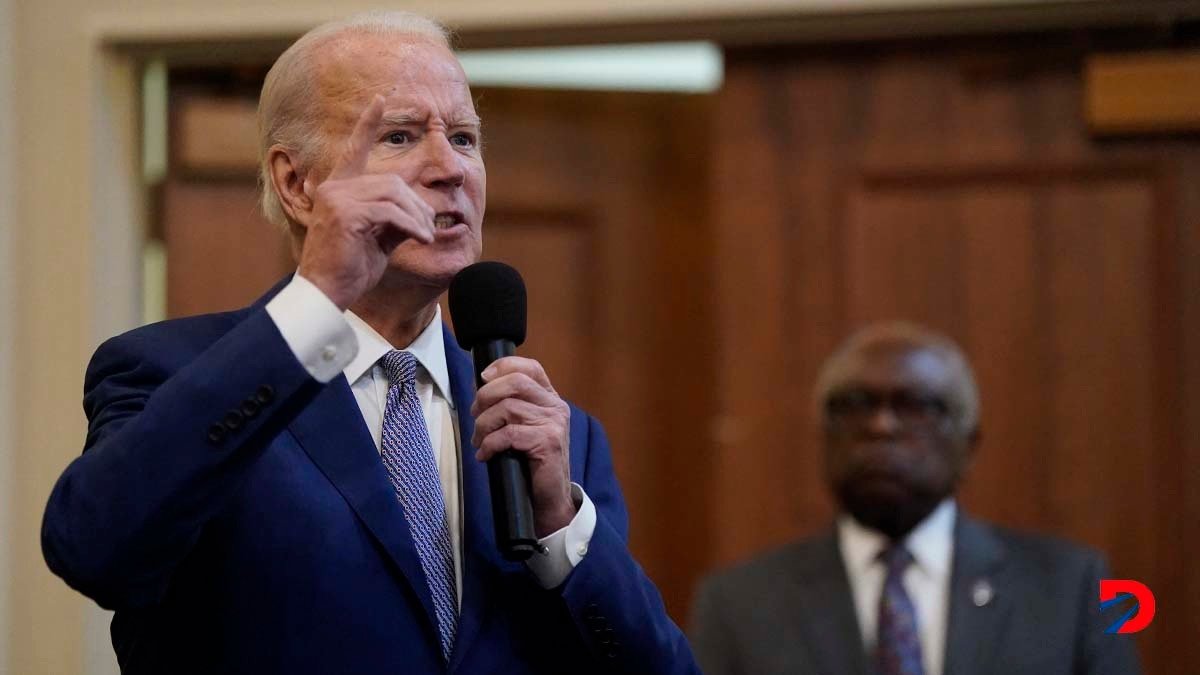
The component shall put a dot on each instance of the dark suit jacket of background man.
(792, 611)
(282, 548)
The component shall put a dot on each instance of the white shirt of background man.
(927, 580)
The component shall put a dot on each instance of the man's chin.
(887, 507)
(429, 270)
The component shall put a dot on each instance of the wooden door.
(599, 199)
(955, 185)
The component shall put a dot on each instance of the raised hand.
(359, 218)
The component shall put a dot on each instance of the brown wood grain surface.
(895, 183)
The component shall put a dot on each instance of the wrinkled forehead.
(410, 71)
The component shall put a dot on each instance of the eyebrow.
(409, 118)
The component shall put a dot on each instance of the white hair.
(963, 394)
(287, 108)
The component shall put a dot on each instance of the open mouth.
(447, 220)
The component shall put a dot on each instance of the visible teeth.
(443, 221)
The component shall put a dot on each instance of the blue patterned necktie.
(898, 648)
(408, 458)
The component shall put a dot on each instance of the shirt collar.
(931, 542)
(428, 347)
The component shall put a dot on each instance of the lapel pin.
(982, 593)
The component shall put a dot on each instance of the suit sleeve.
(617, 610)
(1101, 653)
(166, 447)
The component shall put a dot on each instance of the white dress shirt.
(329, 342)
(927, 580)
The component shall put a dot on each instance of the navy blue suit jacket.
(235, 514)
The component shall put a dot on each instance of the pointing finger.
(357, 149)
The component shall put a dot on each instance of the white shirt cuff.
(314, 328)
(566, 547)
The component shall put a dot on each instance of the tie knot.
(896, 558)
(400, 366)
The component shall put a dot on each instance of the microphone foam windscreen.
(487, 302)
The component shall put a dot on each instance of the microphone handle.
(508, 476)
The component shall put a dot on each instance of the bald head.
(962, 395)
(290, 113)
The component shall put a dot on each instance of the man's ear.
(287, 179)
(974, 436)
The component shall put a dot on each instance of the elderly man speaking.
(297, 486)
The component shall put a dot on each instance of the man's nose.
(442, 166)
(883, 421)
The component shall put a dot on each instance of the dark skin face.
(892, 449)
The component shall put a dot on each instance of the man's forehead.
(363, 61)
(416, 76)
(897, 365)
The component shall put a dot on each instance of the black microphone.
(487, 305)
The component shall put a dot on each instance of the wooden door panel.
(956, 186)
(1000, 283)
(1046, 314)
(556, 260)
(1102, 289)
(221, 253)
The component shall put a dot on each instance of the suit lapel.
(826, 604)
(979, 605)
(332, 432)
(481, 558)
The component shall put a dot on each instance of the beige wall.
(70, 242)
(7, 313)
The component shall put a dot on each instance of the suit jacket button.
(216, 434)
(265, 394)
(250, 408)
(233, 420)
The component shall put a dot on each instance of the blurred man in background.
(905, 583)
(297, 486)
